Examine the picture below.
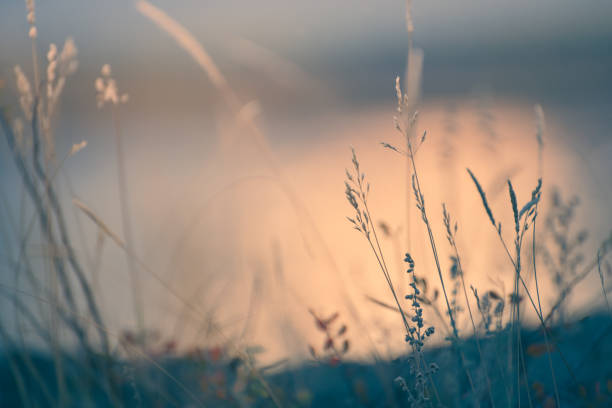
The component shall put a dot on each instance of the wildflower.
(415, 336)
(106, 88)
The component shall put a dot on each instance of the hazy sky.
(550, 48)
(305, 23)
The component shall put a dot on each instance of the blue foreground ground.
(581, 359)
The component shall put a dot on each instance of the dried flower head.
(77, 147)
(51, 68)
(26, 98)
(405, 121)
(68, 54)
(409, 23)
(30, 9)
(106, 88)
(59, 67)
(106, 70)
(52, 52)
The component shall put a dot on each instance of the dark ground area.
(581, 357)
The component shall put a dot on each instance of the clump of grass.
(491, 305)
(406, 128)
(522, 220)
(33, 151)
(451, 232)
(356, 191)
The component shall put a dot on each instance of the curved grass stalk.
(403, 107)
(191, 45)
(535, 274)
(528, 210)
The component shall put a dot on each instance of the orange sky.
(229, 226)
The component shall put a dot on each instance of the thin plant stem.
(535, 274)
(601, 278)
(126, 223)
(421, 203)
(365, 224)
(527, 291)
(432, 242)
(451, 239)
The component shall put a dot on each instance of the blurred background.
(254, 231)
